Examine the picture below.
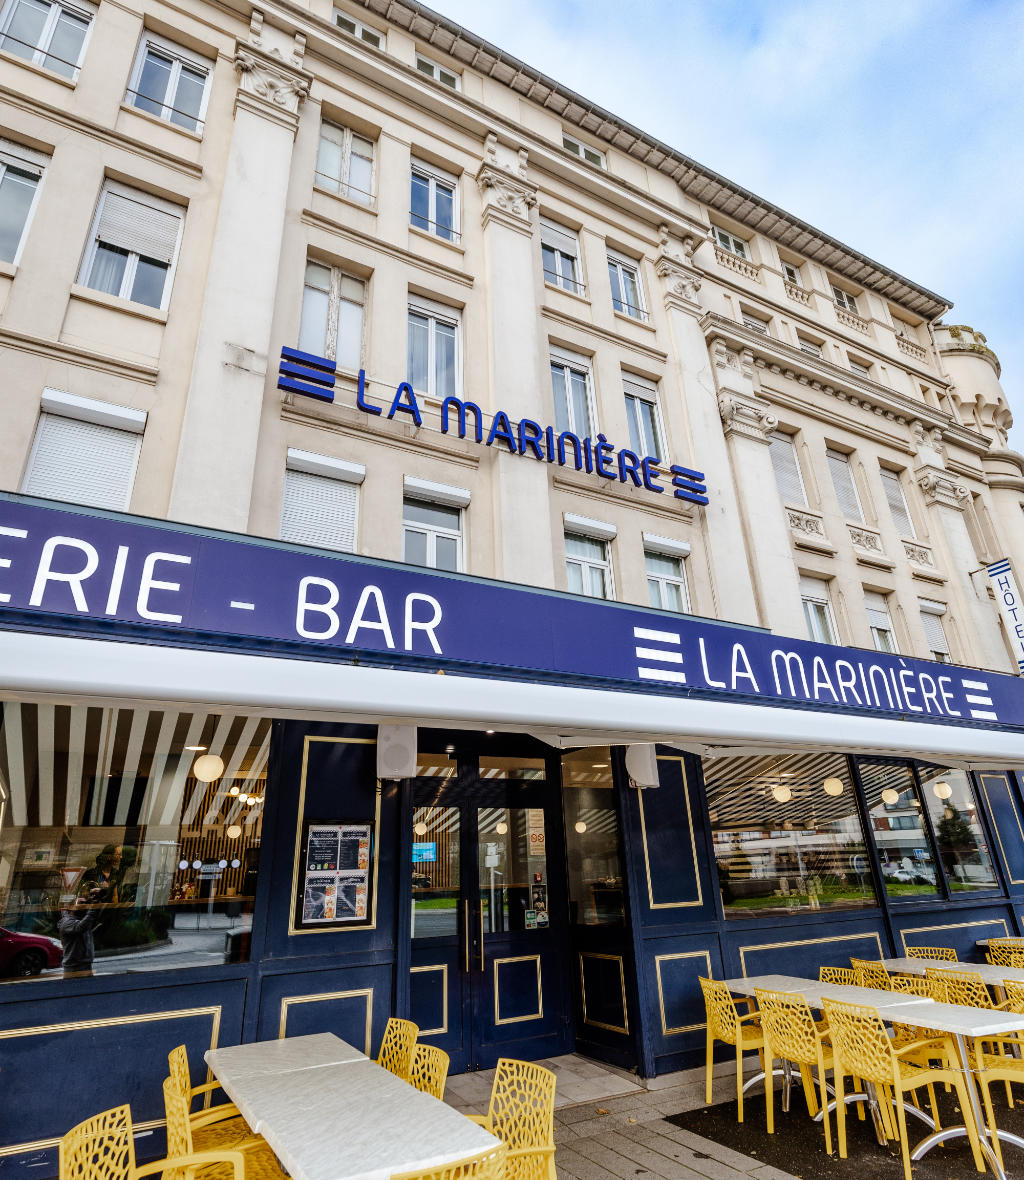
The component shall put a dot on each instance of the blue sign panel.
(423, 851)
(181, 585)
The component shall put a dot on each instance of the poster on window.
(337, 876)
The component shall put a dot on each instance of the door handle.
(481, 936)
(465, 931)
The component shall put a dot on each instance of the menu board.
(337, 875)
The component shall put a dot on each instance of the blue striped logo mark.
(688, 484)
(312, 376)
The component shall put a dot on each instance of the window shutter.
(877, 610)
(897, 503)
(320, 511)
(82, 462)
(558, 238)
(787, 469)
(640, 387)
(842, 481)
(813, 588)
(931, 619)
(138, 227)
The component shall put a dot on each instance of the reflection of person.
(75, 929)
(107, 874)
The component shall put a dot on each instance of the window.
(124, 823)
(344, 163)
(788, 836)
(792, 273)
(935, 633)
(170, 82)
(332, 315)
(811, 347)
(432, 535)
(755, 322)
(596, 896)
(570, 384)
(560, 251)
(666, 582)
(963, 848)
(877, 609)
(787, 469)
(133, 246)
(859, 367)
(642, 416)
(897, 503)
(627, 294)
(84, 451)
(591, 155)
(907, 331)
(817, 609)
(433, 350)
(730, 242)
(844, 300)
(437, 72)
(904, 846)
(20, 172)
(321, 501)
(358, 30)
(587, 566)
(432, 201)
(842, 481)
(51, 35)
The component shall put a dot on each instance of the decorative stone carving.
(865, 539)
(918, 554)
(926, 439)
(939, 487)
(267, 81)
(750, 417)
(681, 280)
(805, 522)
(503, 186)
(726, 258)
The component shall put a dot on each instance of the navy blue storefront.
(518, 889)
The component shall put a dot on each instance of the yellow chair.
(216, 1126)
(430, 1069)
(1014, 1001)
(487, 1165)
(846, 976)
(999, 1065)
(103, 1148)
(960, 987)
(521, 1113)
(871, 973)
(724, 1023)
(396, 1047)
(260, 1162)
(791, 1034)
(932, 952)
(861, 1048)
(1001, 950)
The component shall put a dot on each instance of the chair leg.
(769, 1091)
(739, 1078)
(809, 1097)
(837, 1085)
(709, 1062)
(904, 1138)
(990, 1116)
(935, 1109)
(824, 1107)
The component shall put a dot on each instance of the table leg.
(759, 1077)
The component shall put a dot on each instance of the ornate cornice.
(682, 281)
(749, 417)
(269, 86)
(939, 487)
(508, 194)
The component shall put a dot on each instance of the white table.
(282, 1056)
(345, 1120)
(992, 975)
(813, 991)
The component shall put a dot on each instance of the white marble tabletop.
(953, 1018)
(813, 991)
(281, 1056)
(992, 975)
(351, 1121)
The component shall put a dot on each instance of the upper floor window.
(433, 70)
(433, 350)
(170, 82)
(877, 608)
(642, 415)
(570, 386)
(587, 566)
(591, 155)
(20, 171)
(787, 469)
(730, 242)
(792, 273)
(842, 480)
(811, 347)
(897, 502)
(433, 201)
(432, 535)
(133, 246)
(859, 367)
(817, 609)
(935, 633)
(560, 251)
(321, 501)
(627, 293)
(344, 163)
(844, 299)
(755, 322)
(332, 315)
(666, 582)
(358, 30)
(51, 35)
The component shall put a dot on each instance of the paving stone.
(570, 1163)
(694, 1158)
(717, 1151)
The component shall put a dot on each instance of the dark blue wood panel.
(428, 999)
(1000, 796)
(959, 928)
(519, 983)
(603, 987)
(801, 950)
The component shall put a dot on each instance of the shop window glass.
(435, 870)
(129, 839)
(953, 809)
(788, 835)
(596, 896)
(517, 769)
(512, 869)
(901, 836)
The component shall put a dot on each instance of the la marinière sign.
(78, 569)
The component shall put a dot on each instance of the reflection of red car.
(27, 954)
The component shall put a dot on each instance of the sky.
(896, 127)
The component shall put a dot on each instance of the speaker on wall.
(642, 764)
(396, 751)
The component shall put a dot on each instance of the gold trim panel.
(671, 905)
(769, 946)
(539, 1014)
(443, 968)
(316, 997)
(615, 1028)
(1005, 779)
(658, 960)
(952, 926)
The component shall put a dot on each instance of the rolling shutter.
(558, 238)
(787, 469)
(138, 226)
(318, 510)
(931, 619)
(842, 481)
(897, 502)
(877, 610)
(82, 462)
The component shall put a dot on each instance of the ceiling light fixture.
(782, 793)
(833, 787)
(234, 832)
(196, 749)
(890, 796)
(420, 828)
(942, 790)
(233, 791)
(580, 826)
(501, 827)
(208, 768)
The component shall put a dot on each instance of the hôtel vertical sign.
(1011, 607)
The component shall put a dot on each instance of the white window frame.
(845, 300)
(876, 608)
(779, 435)
(655, 546)
(620, 262)
(930, 608)
(334, 302)
(433, 69)
(85, 11)
(635, 389)
(581, 364)
(728, 241)
(128, 278)
(180, 56)
(26, 160)
(345, 187)
(791, 273)
(834, 457)
(892, 478)
(436, 313)
(359, 31)
(755, 322)
(583, 151)
(811, 596)
(432, 532)
(553, 230)
(434, 176)
(811, 347)
(577, 527)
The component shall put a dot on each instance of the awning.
(36, 667)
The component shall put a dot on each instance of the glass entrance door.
(488, 922)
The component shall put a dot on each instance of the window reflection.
(592, 839)
(435, 871)
(904, 849)
(953, 810)
(788, 835)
